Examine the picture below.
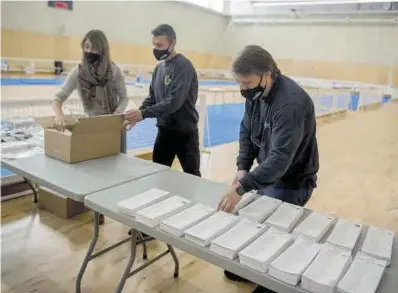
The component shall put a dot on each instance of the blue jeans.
(294, 196)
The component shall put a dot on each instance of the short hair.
(254, 59)
(165, 30)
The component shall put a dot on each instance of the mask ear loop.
(259, 94)
(171, 43)
(168, 50)
(261, 79)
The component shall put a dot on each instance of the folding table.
(209, 193)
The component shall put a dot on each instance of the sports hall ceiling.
(296, 11)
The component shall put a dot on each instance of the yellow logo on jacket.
(167, 80)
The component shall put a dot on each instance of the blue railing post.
(354, 101)
(386, 98)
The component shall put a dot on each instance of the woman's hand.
(59, 122)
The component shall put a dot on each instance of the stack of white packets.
(246, 199)
(378, 243)
(179, 223)
(291, 264)
(345, 234)
(265, 249)
(327, 269)
(315, 226)
(285, 217)
(260, 209)
(131, 205)
(363, 276)
(212, 227)
(154, 214)
(238, 237)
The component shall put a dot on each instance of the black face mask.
(161, 54)
(254, 93)
(91, 57)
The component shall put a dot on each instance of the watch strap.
(239, 189)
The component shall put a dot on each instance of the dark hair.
(100, 43)
(254, 60)
(165, 30)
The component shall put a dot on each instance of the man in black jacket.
(278, 128)
(172, 99)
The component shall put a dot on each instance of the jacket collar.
(274, 89)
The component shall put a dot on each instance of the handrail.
(147, 67)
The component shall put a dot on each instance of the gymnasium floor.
(358, 180)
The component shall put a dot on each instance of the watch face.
(240, 190)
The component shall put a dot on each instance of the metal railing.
(325, 101)
(33, 66)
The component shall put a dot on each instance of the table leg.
(176, 262)
(89, 253)
(130, 262)
(127, 271)
(141, 237)
(33, 189)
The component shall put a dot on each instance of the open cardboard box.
(84, 138)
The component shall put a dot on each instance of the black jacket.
(280, 131)
(172, 95)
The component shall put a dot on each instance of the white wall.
(130, 22)
(204, 31)
(347, 43)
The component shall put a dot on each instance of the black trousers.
(184, 145)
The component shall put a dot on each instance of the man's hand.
(229, 200)
(133, 116)
(239, 175)
(128, 125)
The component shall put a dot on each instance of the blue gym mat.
(224, 121)
(5, 173)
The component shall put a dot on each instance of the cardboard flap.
(99, 123)
(47, 122)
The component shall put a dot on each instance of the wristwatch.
(239, 189)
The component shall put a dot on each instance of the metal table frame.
(135, 238)
(32, 187)
(41, 175)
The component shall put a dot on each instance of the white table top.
(208, 193)
(80, 179)
(188, 186)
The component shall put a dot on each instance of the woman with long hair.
(98, 80)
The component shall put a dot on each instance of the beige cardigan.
(71, 83)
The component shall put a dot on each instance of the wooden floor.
(358, 180)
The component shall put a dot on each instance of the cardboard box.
(84, 138)
(58, 204)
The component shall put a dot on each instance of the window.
(217, 5)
